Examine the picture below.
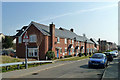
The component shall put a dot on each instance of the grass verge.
(22, 66)
(74, 58)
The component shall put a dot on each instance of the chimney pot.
(71, 30)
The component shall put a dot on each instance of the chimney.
(84, 35)
(71, 30)
(52, 33)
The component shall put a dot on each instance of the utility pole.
(26, 39)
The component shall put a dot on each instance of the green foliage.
(66, 56)
(14, 46)
(7, 42)
(50, 55)
(108, 50)
(8, 59)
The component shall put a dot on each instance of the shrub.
(66, 56)
(50, 55)
(108, 50)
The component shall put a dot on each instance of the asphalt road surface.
(77, 69)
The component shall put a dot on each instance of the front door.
(57, 53)
(69, 51)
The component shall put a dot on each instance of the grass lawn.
(74, 58)
(8, 59)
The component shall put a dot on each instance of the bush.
(108, 50)
(50, 55)
(66, 56)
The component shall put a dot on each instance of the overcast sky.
(95, 19)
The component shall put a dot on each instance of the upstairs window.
(32, 38)
(65, 41)
(78, 43)
(20, 40)
(58, 39)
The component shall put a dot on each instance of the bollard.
(18, 66)
(7, 68)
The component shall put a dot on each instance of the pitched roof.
(63, 33)
(21, 31)
(94, 40)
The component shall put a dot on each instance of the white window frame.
(60, 50)
(65, 50)
(72, 50)
(58, 39)
(33, 51)
(20, 39)
(33, 38)
(65, 41)
(72, 41)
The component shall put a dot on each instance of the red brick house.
(61, 41)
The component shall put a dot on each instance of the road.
(76, 69)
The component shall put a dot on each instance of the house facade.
(43, 38)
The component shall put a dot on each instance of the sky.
(95, 19)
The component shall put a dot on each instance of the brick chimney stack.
(52, 33)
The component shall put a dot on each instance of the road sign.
(25, 36)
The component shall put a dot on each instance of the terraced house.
(43, 38)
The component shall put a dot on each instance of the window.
(61, 51)
(32, 52)
(32, 38)
(87, 50)
(91, 50)
(78, 43)
(20, 40)
(83, 51)
(65, 41)
(73, 51)
(72, 41)
(65, 50)
(58, 39)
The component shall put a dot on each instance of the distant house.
(104, 45)
(61, 41)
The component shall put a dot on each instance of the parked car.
(109, 56)
(98, 59)
(114, 54)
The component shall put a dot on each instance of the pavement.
(113, 70)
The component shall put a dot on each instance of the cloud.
(78, 12)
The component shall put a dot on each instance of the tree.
(50, 55)
(7, 42)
